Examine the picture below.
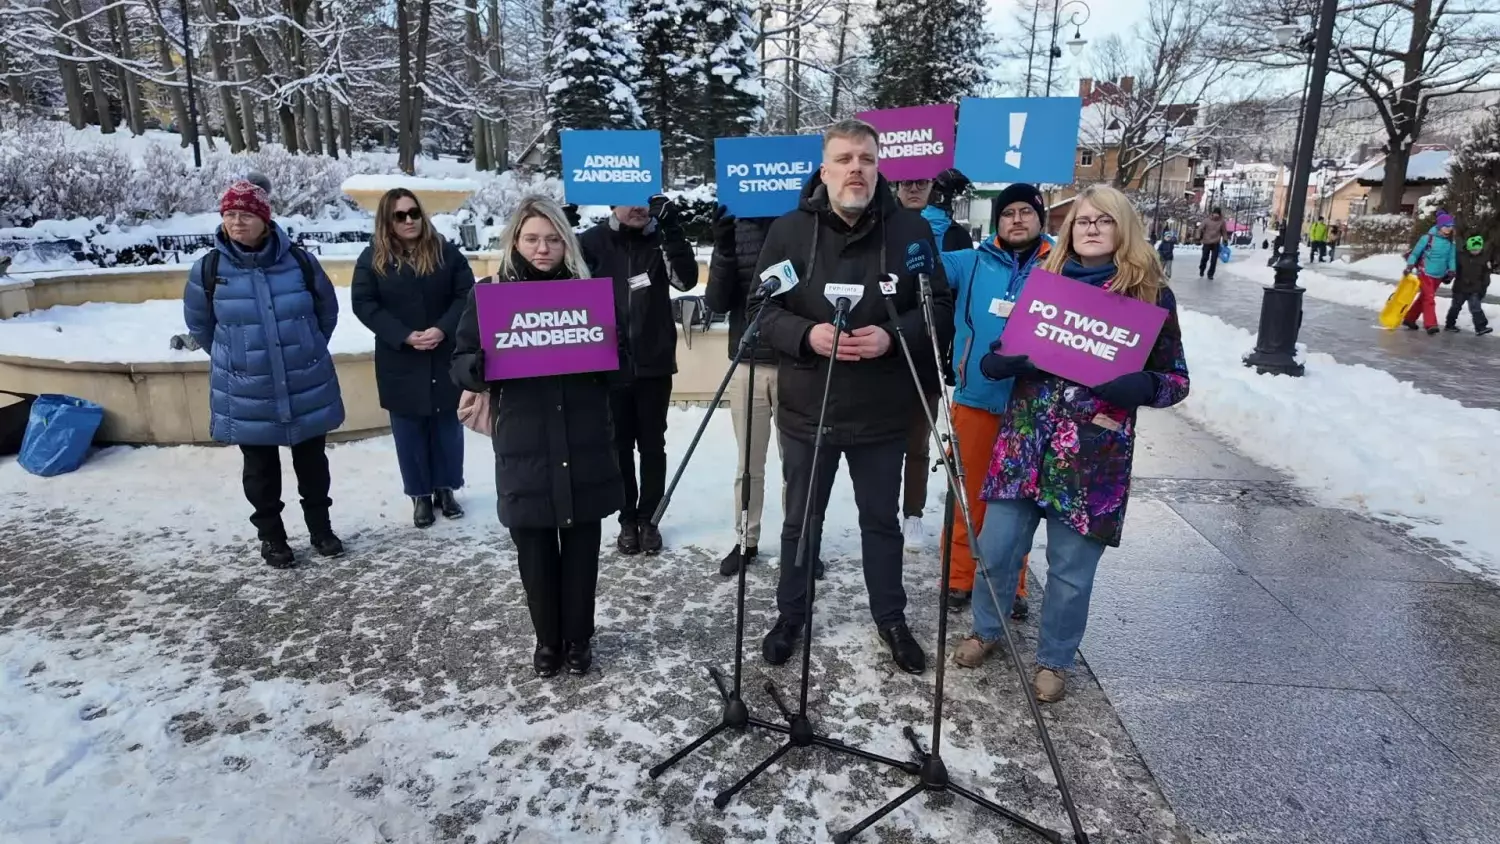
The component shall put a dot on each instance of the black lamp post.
(1166, 128)
(1075, 44)
(1281, 308)
(192, 100)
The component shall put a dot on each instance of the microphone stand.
(799, 730)
(933, 773)
(736, 714)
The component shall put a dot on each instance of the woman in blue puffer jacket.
(265, 310)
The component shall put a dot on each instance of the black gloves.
(723, 226)
(1129, 391)
(951, 182)
(998, 367)
(668, 216)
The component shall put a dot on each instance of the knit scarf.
(1097, 276)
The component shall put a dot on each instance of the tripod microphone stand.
(800, 731)
(933, 773)
(736, 714)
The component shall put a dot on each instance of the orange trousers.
(977, 431)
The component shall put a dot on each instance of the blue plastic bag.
(1224, 253)
(59, 434)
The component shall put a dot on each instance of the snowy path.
(157, 683)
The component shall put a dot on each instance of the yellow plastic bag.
(1400, 301)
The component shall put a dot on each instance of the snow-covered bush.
(1380, 232)
(497, 197)
(41, 176)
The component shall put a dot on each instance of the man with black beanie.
(644, 250)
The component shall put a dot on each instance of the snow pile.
(107, 332)
(390, 181)
(1389, 266)
(1356, 437)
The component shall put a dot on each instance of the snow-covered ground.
(1389, 266)
(1357, 292)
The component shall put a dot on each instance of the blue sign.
(611, 167)
(1018, 139)
(763, 177)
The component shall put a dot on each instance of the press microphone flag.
(777, 279)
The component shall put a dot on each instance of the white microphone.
(777, 279)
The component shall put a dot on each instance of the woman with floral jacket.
(1064, 451)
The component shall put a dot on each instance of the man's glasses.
(1025, 212)
(413, 215)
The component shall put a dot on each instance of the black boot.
(904, 648)
(1019, 609)
(578, 657)
(650, 539)
(547, 660)
(734, 559)
(818, 571)
(1451, 327)
(1410, 326)
(445, 502)
(1483, 331)
(959, 598)
(1432, 329)
(277, 553)
(327, 544)
(629, 541)
(779, 644)
(421, 512)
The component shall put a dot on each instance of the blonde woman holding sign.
(556, 476)
(1064, 451)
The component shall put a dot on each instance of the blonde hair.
(1138, 271)
(390, 251)
(540, 206)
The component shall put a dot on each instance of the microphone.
(843, 297)
(776, 279)
(888, 290)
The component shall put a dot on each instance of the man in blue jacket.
(265, 310)
(986, 284)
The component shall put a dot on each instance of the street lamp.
(1166, 131)
(1281, 307)
(1076, 19)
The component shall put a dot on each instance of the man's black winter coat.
(869, 401)
(555, 459)
(644, 315)
(412, 382)
(731, 279)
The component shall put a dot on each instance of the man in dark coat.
(643, 253)
(731, 279)
(849, 231)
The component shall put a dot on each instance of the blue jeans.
(430, 451)
(1072, 559)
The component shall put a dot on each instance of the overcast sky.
(1106, 17)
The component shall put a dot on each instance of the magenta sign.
(535, 328)
(1080, 332)
(915, 142)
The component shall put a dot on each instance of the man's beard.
(852, 208)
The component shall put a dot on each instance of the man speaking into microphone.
(848, 235)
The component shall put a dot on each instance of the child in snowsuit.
(1165, 248)
(1475, 264)
(1433, 260)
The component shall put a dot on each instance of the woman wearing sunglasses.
(1064, 451)
(410, 286)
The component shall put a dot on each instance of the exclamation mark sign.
(1017, 128)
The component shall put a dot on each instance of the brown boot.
(973, 651)
(1050, 685)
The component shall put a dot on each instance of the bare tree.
(1410, 59)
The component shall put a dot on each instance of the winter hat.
(1474, 243)
(261, 181)
(1444, 220)
(248, 197)
(1022, 192)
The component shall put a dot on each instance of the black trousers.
(1475, 301)
(560, 570)
(875, 471)
(640, 417)
(262, 477)
(1209, 259)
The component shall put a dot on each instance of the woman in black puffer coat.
(556, 474)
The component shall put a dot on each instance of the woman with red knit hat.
(264, 310)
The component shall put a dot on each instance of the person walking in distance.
(1064, 452)
(264, 310)
(1475, 265)
(933, 199)
(410, 286)
(1212, 237)
(556, 476)
(731, 279)
(1317, 239)
(848, 230)
(1435, 263)
(644, 250)
(986, 283)
(1165, 249)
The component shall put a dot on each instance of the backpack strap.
(210, 275)
(304, 263)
